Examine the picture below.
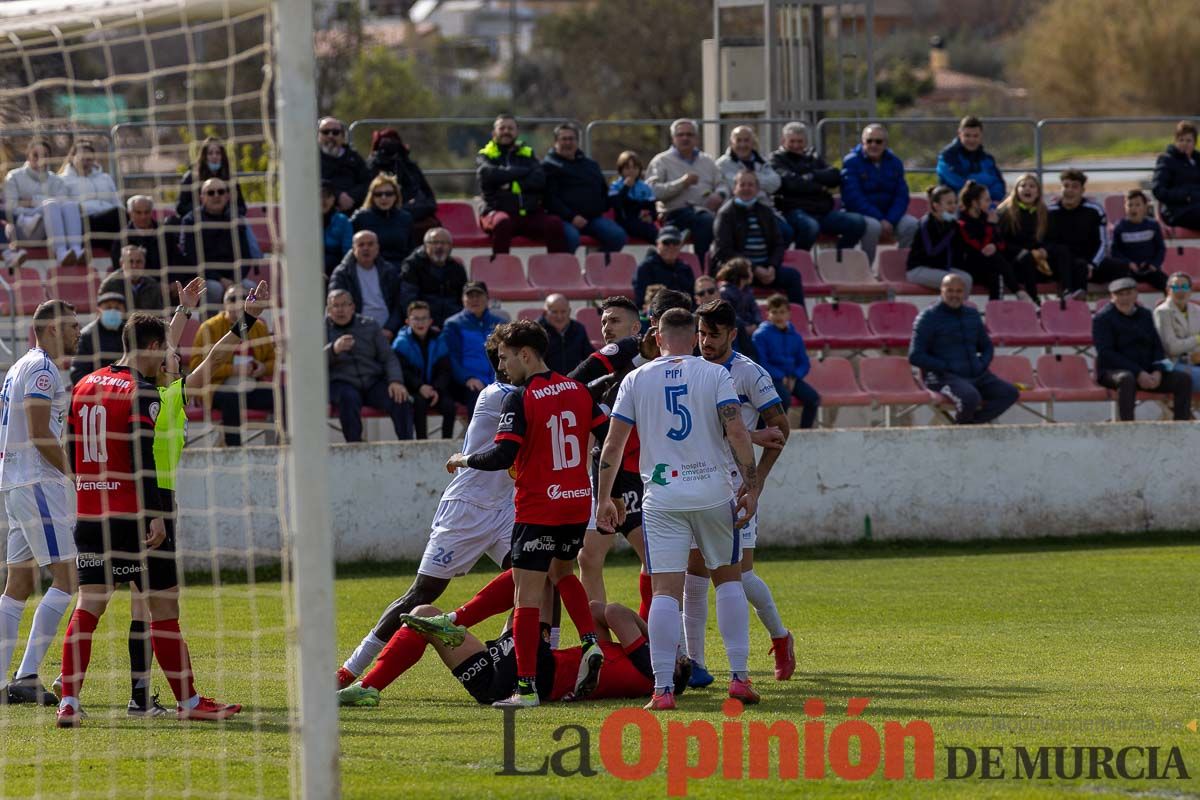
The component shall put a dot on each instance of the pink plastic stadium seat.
(802, 262)
(79, 286)
(1069, 379)
(892, 266)
(918, 205)
(848, 272)
(891, 322)
(458, 217)
(1069, 322)
(1014, 323)
(1114, 208)
(692, 261)
(1174, 231)
(890, 382)
(531, 314)
(1183, 258)
(504, 276)
(834, 380)
(560, 272)
(27, 286)
(589, 317)
(1017, 370)
(611, 273)
(843, 327)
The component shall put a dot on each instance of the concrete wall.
(941, 483)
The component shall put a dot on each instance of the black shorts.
(121, 557)
(629, 487)
(534, 546)
(491, 674)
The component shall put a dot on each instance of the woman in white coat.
(40, 208)
(1178, 324)
(93, 188)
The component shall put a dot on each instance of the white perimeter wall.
(940, 483)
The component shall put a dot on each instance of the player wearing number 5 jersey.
(543, 436)
(685, 408)
(33, 477)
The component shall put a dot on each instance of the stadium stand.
(891, 322)
(848, 272)
(1014, 323)
(559, 272)
(842, 326)
(611, 273)
(505, 277)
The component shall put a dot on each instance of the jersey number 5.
(675, 405)
(565, 446)
(93, 423)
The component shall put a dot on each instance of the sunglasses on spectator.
(331, 131)
(439, 241)
(383, 194)
(876, 141)
(1181, 287)
(705, 292)
(215, 192)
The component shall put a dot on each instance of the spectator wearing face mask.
(390, 154)
(100, 340)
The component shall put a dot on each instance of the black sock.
(588, 640)
(139, 663)
(526, 686)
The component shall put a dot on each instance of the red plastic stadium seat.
(918, 205)
(27, 286)
(1069, 322)
(79, 286)
(504, 276)
(1175, 232)
(1114, 208)
(892, 322)
(1017, 370)
(693, 261)
(802, 262)
(1014, 323)
(892, 266)
(848, 272)
(799, 319)
(458, 217)
(843, 326)
(589, 317)
(834, 380)
(890, 382)
(1069, 379)
(531, 314)
(261, 218)
(611, 273)
(559, 272)
(1183, 258)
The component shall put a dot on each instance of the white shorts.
(749, 533)
(670, 535)
(41, 523)
(462, 533)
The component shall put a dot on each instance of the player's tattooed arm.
(773, 417)
(739, 443)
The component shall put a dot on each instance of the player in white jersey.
(474, 518)
(34, 472)
(718, 330)
(685, 409)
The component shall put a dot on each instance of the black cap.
(669, 234)
(475, 286)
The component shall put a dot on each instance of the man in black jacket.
(1130, 357)
(569, 344)
(1177, 179)
(512, 182)
(214, 240)
(577, 192)
(341, 165)
(745, 227)
(161, 246)
(805, 194)
(373, 284)
(1079, 225)
(432, 275)
(663, 266)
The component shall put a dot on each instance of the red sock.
(171, 653)
(493, 599)
(405, 649)
(527, 632)
(647, 592)
(575, 601)
(77, 650)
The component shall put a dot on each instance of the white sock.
(695, 615)
(554, 635)
(45, 627)
(190, 703)
(10, 624)
(366, 652)
(664, 633)
(759, 595)
(733, 620)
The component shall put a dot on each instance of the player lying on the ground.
(474, 517)
(488, 670)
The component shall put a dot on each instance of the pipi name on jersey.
(553, 389)
(108, 380)
(97, 486)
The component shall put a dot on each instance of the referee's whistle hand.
(157, 533)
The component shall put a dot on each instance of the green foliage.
(380, 83)
(247, 158)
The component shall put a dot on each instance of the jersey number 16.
(563, 445)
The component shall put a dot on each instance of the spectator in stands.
(965, 160)
(100, 340)
(733, 286)
(93, 189)
(703, 290)
(341, 165)
(781, 352)
(363, 369)
(1130, 357)
(137, 289)
(40, 208)
(745, 228)
(652, 291)
(512, 182)
(873, 185)
(1177, 179)
(339, 233)
(242, 380)
(577, 193)
(161, 247)
(937, 249)
(433, 276)
(425, 360)
(465, 334)
(688, 185)
(632, 199)
(1079, 225)
(742, 156)
(983, 247)
(381, 214)
(569, 341)
(211, 162)
(1178, 326)
(952, 349)
(389, 154)
(662, 265)
(214, 240)
(1138, 241)
(1024, 225)
(805, 195)
(373, 284)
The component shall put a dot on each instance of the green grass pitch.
(1001, 645)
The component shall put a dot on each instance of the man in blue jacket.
(873, 185)
(964, 160)
(577, 192)
(953, 350)
(425, 360)
(465, 334)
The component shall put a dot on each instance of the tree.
(380, 84)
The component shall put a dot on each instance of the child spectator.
(1024, 221)
(983, 248)
(733, 286)
(782, 354)
(425, 361)
(936, 249)
(1138, 241)
(632, 199)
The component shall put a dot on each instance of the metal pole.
(310, 539)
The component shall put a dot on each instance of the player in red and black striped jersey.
(125, 531)
(543, 432)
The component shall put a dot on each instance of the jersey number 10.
(93, 423)
(563, 445)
